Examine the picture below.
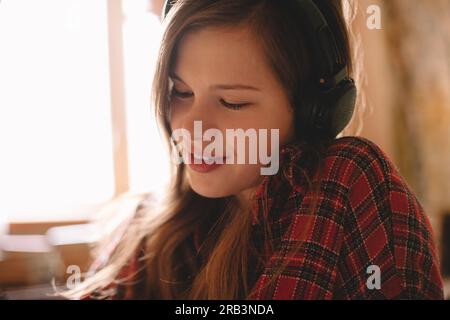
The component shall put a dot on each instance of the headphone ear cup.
(326, 114)
(344, 100)
(306, 115)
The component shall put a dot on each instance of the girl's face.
(221, 78)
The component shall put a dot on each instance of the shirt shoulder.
(366, 215)
(352, 169)
(384, 222)
(349, 157)
(343, 161)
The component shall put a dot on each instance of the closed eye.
(181, 94)
(233, 106)
(229, 105)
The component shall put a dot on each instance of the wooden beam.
(117, 85)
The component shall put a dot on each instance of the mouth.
(204, 159)
(205, 164)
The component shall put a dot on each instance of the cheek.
(278, 124)
(175, 117)
(248, 176)
(282, 117)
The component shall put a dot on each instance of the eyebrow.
(222, 86)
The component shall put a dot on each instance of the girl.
(337, 221)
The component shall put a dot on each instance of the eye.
(233, 106)
(180, 94)
(229, 105)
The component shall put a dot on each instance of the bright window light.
(56, 153)
(55, 117)
(148, 161)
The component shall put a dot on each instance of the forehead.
(222, 54)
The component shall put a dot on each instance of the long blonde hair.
(164, 232)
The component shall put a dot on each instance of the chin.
(208, 185)
(208, 192)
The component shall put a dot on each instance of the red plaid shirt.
(366, 216)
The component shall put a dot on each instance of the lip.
(204, 167)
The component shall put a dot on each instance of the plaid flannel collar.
(287, 179)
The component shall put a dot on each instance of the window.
(56, 129)
(148, 162)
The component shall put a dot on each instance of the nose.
(200, 110)
(196, 119)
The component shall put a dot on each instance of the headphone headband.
(167, 6)
(325, 44)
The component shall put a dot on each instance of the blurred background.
(78, 137)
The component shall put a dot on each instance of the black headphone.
(327, 112)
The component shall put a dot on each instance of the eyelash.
(232, 106)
